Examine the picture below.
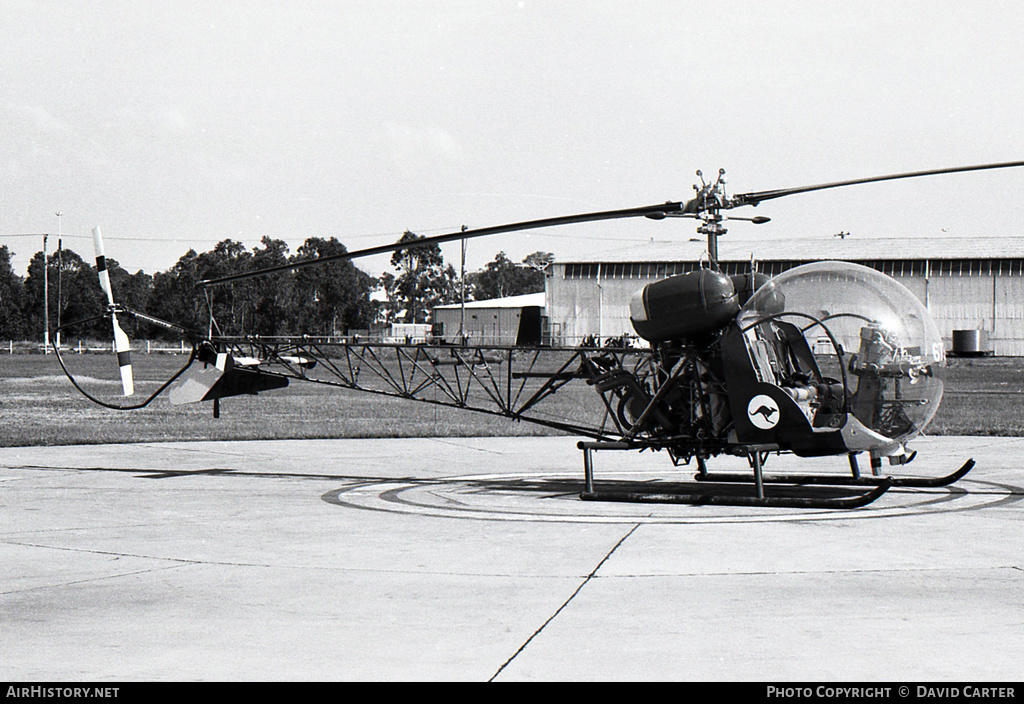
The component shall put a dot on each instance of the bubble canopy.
(890, 349)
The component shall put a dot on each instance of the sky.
(175, 125)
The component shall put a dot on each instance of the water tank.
(683, 306)
(970, 343)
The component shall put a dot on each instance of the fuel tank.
(684, 306)
(747, 284)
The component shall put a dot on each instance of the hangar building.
(971, 286)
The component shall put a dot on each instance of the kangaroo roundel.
(763, 412)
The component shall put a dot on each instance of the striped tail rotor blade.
(101, 265)
(122, 347)
(124, 361)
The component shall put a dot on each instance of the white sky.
(174, 125)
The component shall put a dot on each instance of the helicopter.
(725, 369)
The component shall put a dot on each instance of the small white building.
(516, 320)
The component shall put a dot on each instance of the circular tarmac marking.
(554, 497)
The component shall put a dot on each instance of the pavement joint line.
(182, 446)
(102, 578)
(267, 565)
(463, 446)
(567, 601)
(806, 573)
(10, 536)
(113, 553)
(593, 574)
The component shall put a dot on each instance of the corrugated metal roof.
(524, 301)
(808, 249)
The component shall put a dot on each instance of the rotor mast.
(711, 197)
(709, 200)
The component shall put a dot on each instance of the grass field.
(38, 406)
(983, 396)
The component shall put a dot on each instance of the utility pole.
(462, 319)
(60, 272)
(46, 301)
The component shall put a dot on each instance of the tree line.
(325, 299)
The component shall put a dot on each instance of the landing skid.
(824, 480)
(739, 500)
(760, 498)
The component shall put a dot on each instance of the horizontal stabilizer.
(206, 382)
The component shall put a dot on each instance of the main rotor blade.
(758, 196)
(688, 208)
(651, 211)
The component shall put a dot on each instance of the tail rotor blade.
(124, 361)
(101, 265)
(122, 347)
